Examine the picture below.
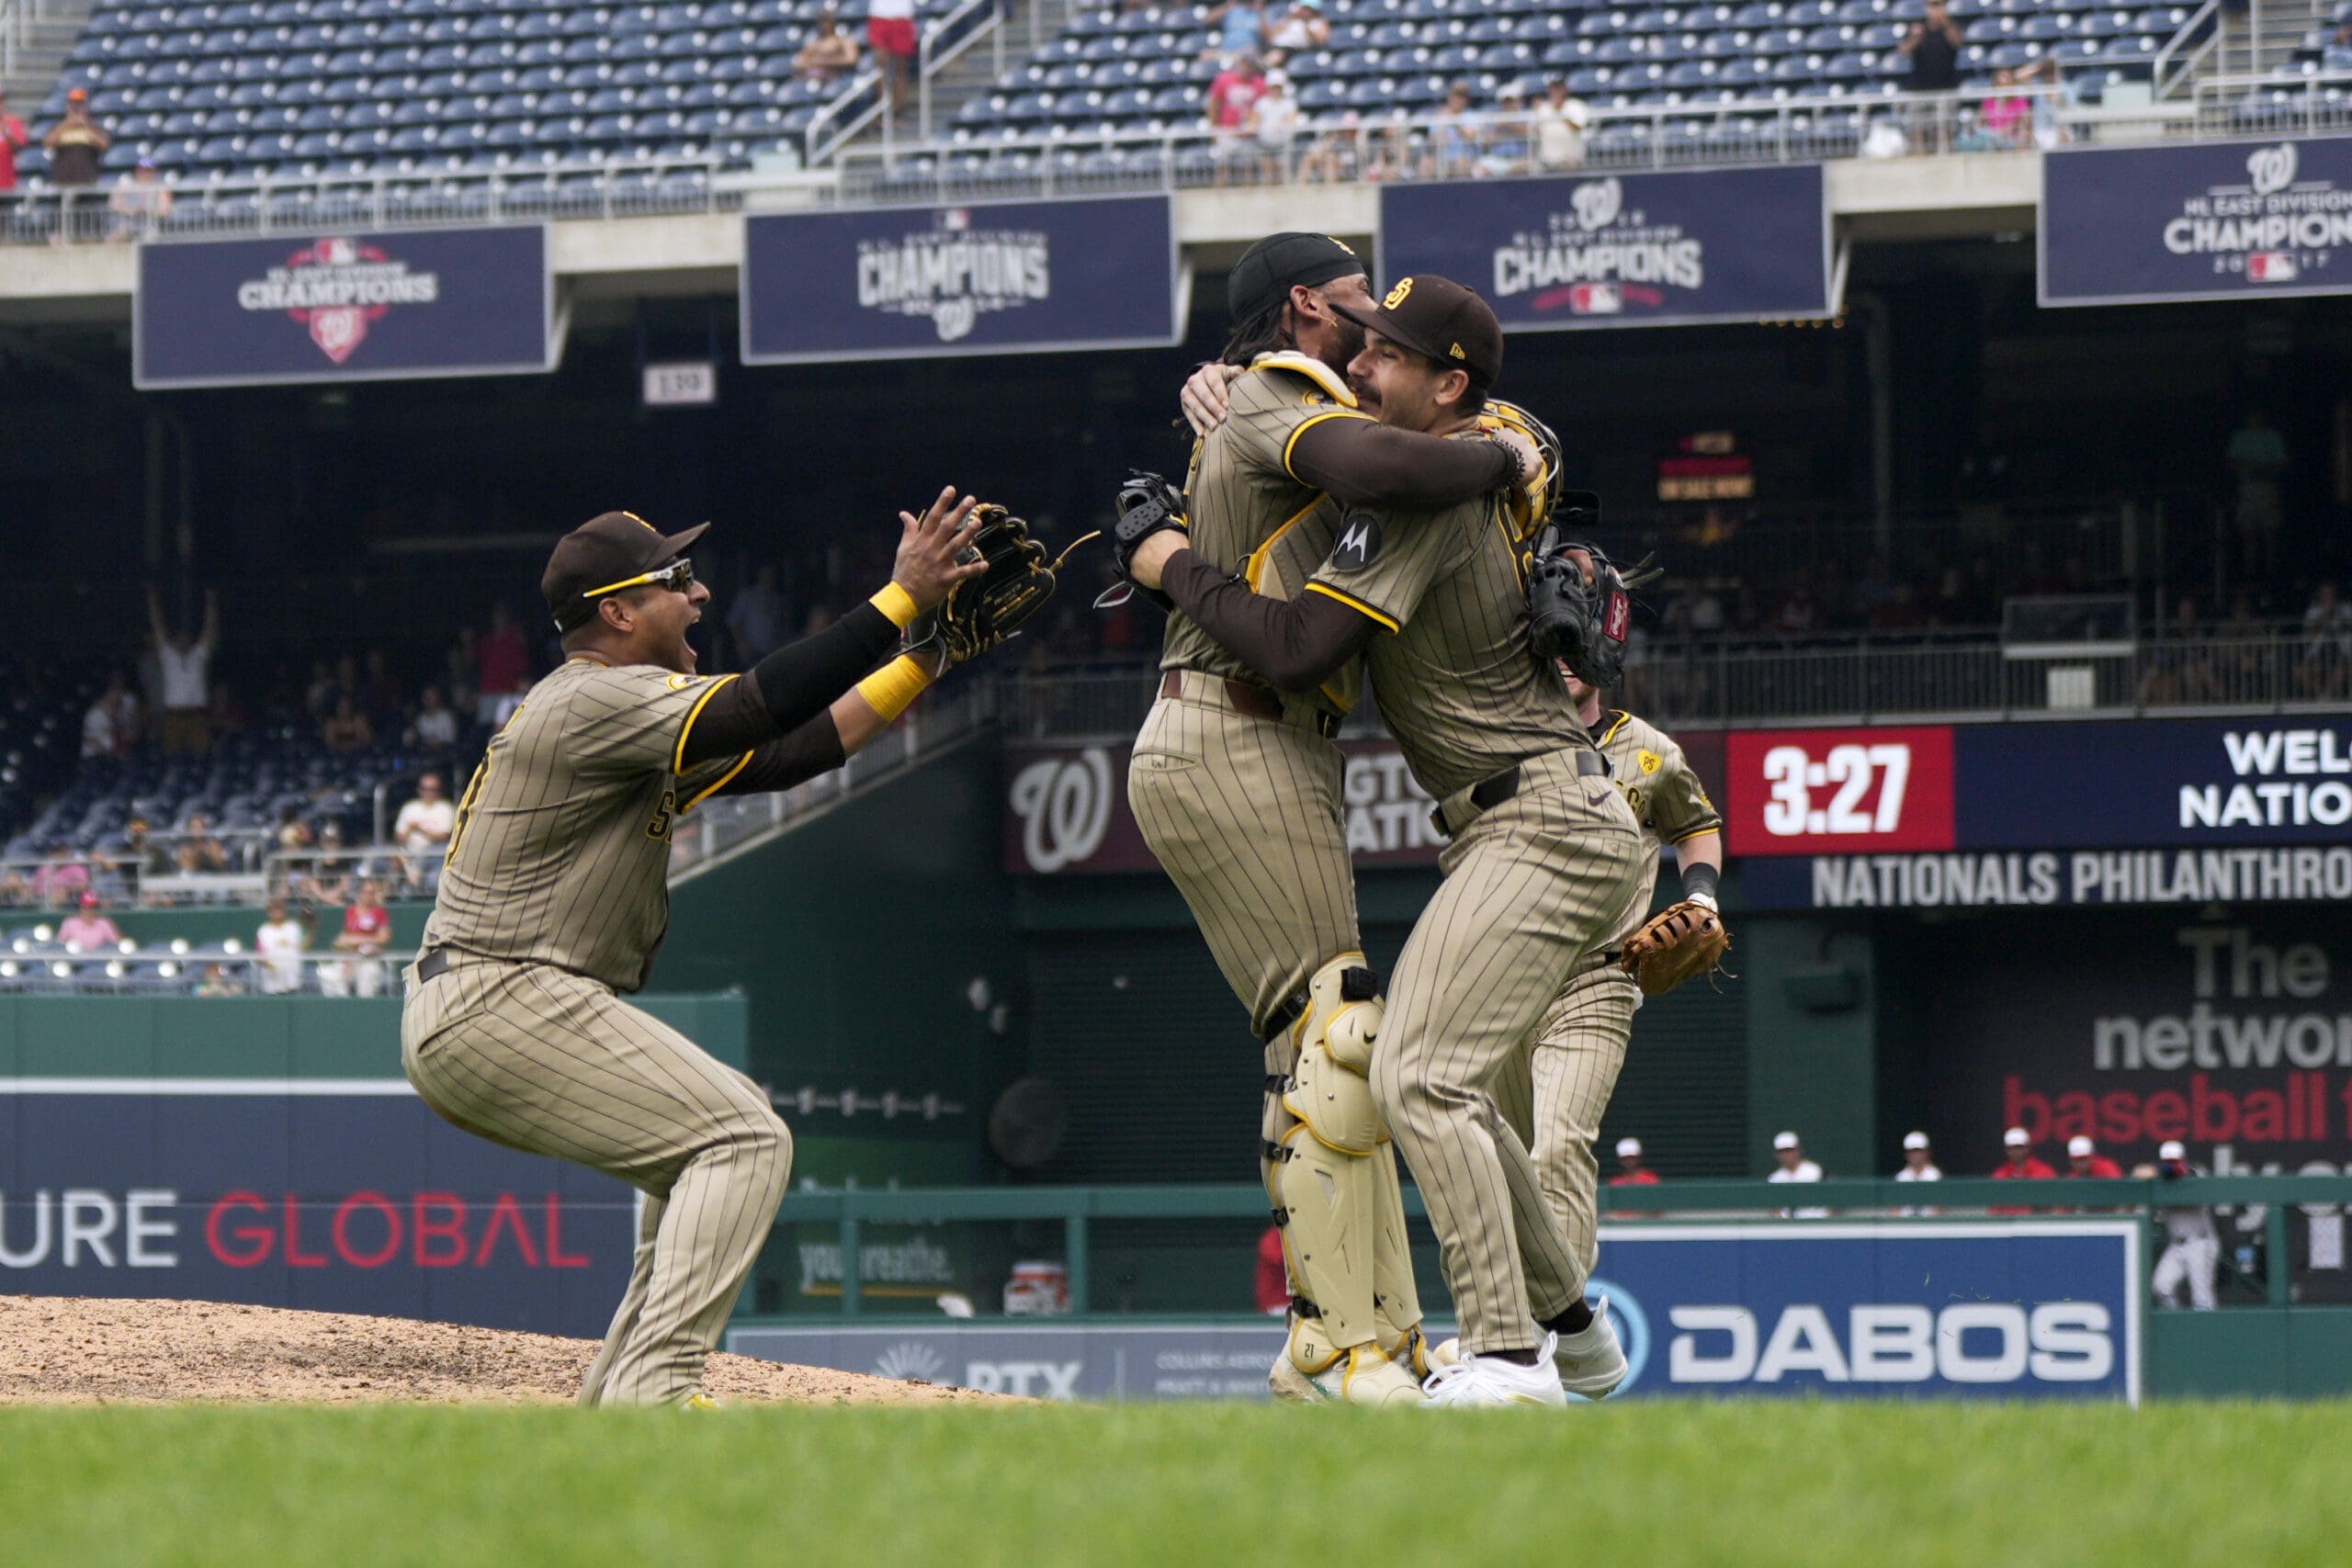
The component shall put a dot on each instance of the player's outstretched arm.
(1362, 461)
(800, 681)
(1296, 644)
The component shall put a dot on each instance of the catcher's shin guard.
(1397, 1302)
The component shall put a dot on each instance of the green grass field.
(1819, 1485)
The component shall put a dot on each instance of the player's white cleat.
(1475, 1382)
(1360, 1376)
(1590, 1361)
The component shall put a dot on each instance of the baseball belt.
(1257, 702)
(1458, 810)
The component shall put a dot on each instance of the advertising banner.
(931, 282)
(349, 307)
(1648, 250)
(2149, 811)
(1994, 1310)
(2231, 1035)
(2203, 220)
(1066, 807)
(331, 1196)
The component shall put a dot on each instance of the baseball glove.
(1147, 504)
(1687, 940)
(981, 612)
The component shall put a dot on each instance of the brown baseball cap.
(1438, 317)
(602, 553)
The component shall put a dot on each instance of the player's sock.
(1524, 1358)
(1575, 1320)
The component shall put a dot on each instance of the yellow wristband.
(898, 603)
(892, 689)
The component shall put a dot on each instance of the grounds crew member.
(1236, 788)
(554, 900)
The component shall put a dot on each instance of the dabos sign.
(1998, 1310)
(1803, 792)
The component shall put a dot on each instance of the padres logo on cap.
(1398, 294)
(1456, 352)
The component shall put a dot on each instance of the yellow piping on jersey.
(1356, 604)
(1695, 834)
(678, 762)
(1305, 425)
(1623, 718)
(1255, 566)
(724, 780)
(1314, 370)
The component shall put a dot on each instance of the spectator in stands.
(2004, 121)
(1933, 47)
(199, 853)
(1237, 28)
(435, 726)
(141, 201)
(330, 880)
(1232, 95)
(423, 826)
(89, 929)
(1453, 140)
(110, 726)
(2041, 79)
(756, 619)
(380, 697)
(2084, 1162)
(346, 729)
(76, 144)
(219, 982)
(1272, 1285)
(1560, 122)
(2258, 455)
(367, 931)
(60, 879)
(139, 858)
(185, 669)
(2192, 1254)
(278, 944)
(1391, 155)
(1337, 154)
(15, 891)
(829, 55)
(1790, 1165)
(501, 658)
(1302, 26)
(1632, 1170)
(1273, 121)
(2019, 1163)
(1510, 147)
(13, 141)
(1918, 1160)
(890, 28)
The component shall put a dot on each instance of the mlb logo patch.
(2271, 266)
(1596, 300)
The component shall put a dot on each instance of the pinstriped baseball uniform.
(1534, 883)
(1554, 1097)
(1245, 812)
(553, 898)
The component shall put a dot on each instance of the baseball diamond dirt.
(69, 1350)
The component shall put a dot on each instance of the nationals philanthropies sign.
(930, 282)
(1622, 250)
(2202, 222)
(344, 306)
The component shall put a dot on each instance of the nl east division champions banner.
(2149, 811)
(340, 305)
(1622, 250)
(2202, 222)
(931, 282)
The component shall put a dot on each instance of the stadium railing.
(1859, 678)
(1724, 1202)
(182, 968)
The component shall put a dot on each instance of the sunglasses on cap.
(677, 577)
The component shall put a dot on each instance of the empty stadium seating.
(447, 90)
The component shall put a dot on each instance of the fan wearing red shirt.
(1273, 1277)
(2084, 1160)
(2021, 1165)
(1630, 1170)
(367, 931)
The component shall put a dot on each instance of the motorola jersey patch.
(1358, 542)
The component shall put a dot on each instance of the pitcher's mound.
(56, 1349)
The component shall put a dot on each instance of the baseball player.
(1237, 790)
(554, 901)
(1545, 857)
(2192, 1254)
(1556, 1105)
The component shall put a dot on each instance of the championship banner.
(1997, 1310)
(933, 282)
(1648, 250)
(349, 307)
(2234, 1035)
(327, 1195)
(2149, 811)
(2203, 220)
(1066, 807)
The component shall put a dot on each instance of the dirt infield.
(69, 1350)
